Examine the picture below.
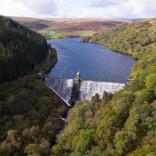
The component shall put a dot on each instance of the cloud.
(34, 8)
(80, 8)
(104, 3)
(120, 9)
(45, 7)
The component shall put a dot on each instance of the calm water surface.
(93, 61)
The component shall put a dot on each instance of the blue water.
(93, 61)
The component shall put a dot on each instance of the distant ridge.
(68, 23)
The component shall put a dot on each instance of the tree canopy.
(20, 49)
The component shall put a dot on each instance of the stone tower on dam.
(75, 96)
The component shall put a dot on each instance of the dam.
(72, 90)
(102, 70)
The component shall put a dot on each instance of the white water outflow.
(67, 89)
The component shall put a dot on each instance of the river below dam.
(94, 62)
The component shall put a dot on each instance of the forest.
(29, 110)
(123, 124)
(20, 49)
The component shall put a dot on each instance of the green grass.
(54, 34)
(65, 34)
(81, 33)
(51, 33)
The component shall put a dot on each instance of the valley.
(105, 124)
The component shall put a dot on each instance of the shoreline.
(127, 54)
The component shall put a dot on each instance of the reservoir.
(94, 62)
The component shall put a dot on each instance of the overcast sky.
(79, 8)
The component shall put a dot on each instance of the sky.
(79, 8)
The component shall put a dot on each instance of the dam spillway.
(62, 87)
(71, 92)
(88, 89)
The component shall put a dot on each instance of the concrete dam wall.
(71, 90)
(62, 87)
(88, 89)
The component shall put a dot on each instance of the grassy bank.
(51, 34)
